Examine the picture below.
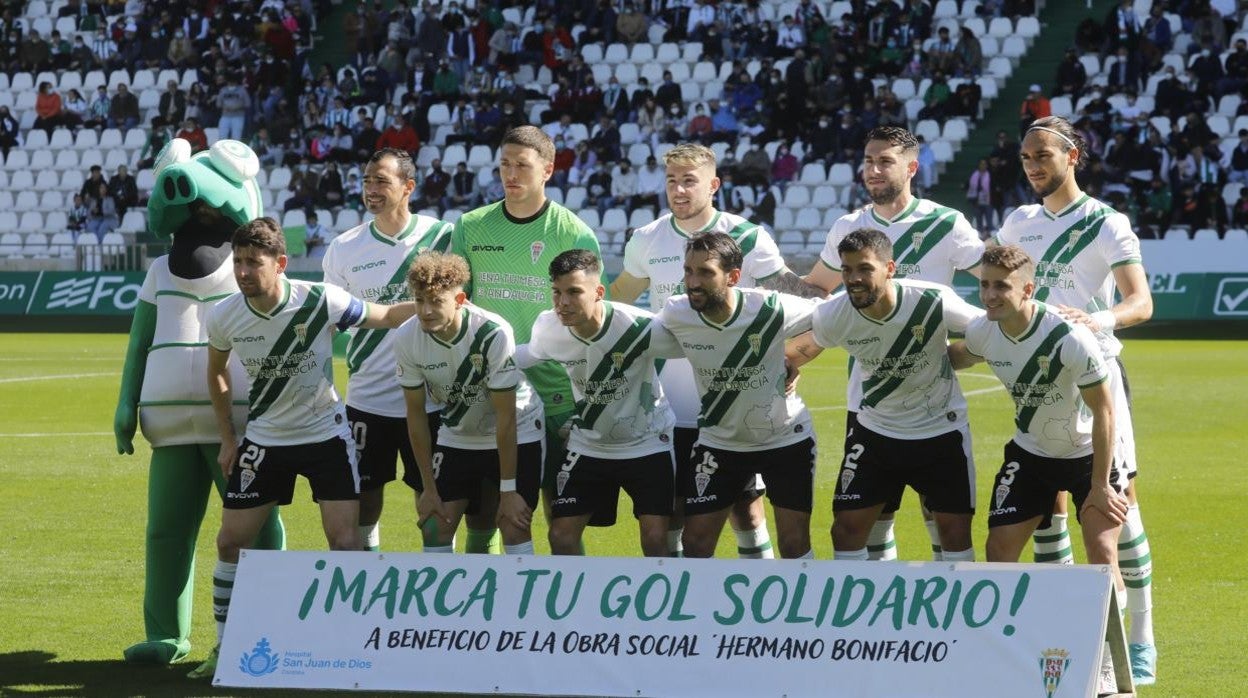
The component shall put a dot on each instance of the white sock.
(967, 555)
(222, 588)
(1135, 561)
(881, 544)
(934, 534)
(440, 548)
(808, 555)
(1052, 544)
(755, 544)
(675, 546)
(525, 548)
(859, 554)
(370, 535)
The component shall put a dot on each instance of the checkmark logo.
(1232, 297)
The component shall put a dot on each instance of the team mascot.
(198, 200)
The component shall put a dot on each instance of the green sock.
(484, 541)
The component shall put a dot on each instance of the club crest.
(478, 362)
(1053, 663)
(1043, 362)
(617, 360)
(1002, 492)
(918, 240)
(701, 480)
(561, 481)
(1075, 234)
(535, 250)
(918, 332)
(301, 331)
(245, 478)
(847, 476)
(756, 343)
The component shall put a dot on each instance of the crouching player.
(1064, 415)
(296, 425)
(622, 425)
(487, 456)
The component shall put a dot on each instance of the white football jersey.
(739, 368)
(461, 373)
(1075, 252)
(908, 387)
(657, 252)
(930, 243)
(289, 354)
(173, 410)
(1044, 369)
(374, 266)
(620, 408)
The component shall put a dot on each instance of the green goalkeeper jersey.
(510, 260)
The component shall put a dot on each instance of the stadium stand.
(804, 76)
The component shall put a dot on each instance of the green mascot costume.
(198, 200)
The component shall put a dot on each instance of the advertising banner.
(598, 626)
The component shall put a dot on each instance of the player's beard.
(864, 301)
(886, 196)
(1051, 184)
(710, 303)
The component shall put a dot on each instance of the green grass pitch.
(73, 513)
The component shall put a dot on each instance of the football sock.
(934, 534)
(675, 546)
(1052, 544)
(525, 548)
(370, 536)
(860, 554)
(881, 545)
(485, 540)
(222, 588)
(967, 555)
(1136, 563)
(754, 544)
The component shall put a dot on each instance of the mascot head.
(199, 200)
(218, 182)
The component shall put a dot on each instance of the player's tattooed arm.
(801, 350)
(787, 281)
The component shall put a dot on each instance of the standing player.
(1083, 250)
(749, 424)
(912, 424)
(622, 429)
(370, 261)
(487, 458)
(509, 246)
(654, 260)
(1064, 414)
(283, 333)
(930, 243)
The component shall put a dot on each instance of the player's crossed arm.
(627, 288)
(787, 281)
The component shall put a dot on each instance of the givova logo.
(260, 661)
(1232, 297)
(90, 292)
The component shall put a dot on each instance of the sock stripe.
(222, 583)
(1138, 583)
(1136, 562)
(1054, 556)
(890, 544)
(1054, 538)
(937, 548)
(1138, 540)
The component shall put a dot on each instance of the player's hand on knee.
(1077, 316)
(125, 421)
(513, 509)
(430, 505)
(1109, 502)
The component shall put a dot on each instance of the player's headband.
(1059, 134)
